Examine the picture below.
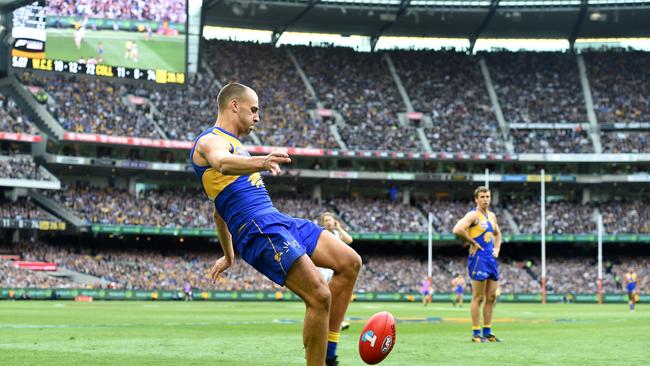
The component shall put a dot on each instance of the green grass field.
(160, 52)
(250, 333)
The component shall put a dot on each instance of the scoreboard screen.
(140, 40)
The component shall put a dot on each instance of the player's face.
(328, 221)
(483, 200)
(248, 112)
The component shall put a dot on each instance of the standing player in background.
(273, 243)
(630, 286)
(479, 228)
(134, 52)
(458, 283)
(127, 49)
(100, 52)
(331, 224)
(426, 290)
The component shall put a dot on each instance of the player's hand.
(273, 160)
(474, 247)
(337, 225)
(495, 253)
(219, 267)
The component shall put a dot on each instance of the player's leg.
(305, 281)
(332, 253)
(488, 309)
(478, 294)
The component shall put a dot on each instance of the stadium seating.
(146, 269)
(12, 118)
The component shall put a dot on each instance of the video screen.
(133, 39)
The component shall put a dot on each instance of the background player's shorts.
(271, 243)
(631, 287)
(459, 290)
(326, 273)
(483, 268)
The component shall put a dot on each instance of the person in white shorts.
(331, 224)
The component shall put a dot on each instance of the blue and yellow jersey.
(630, 277)
(483, 233)
(238, 198)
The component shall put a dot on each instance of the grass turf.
(161, 52)
(269, 333)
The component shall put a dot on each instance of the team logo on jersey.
(256, 180)
(484, 224)
(369, 336)
(385, 347)
(293, 244)
(487, 237)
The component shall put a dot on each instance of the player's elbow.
(458, 231)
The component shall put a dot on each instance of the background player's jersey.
(630, 278)
(238, 198)
(483, 233)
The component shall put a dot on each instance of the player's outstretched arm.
(216, 151)
(460, 230)
(225, 239)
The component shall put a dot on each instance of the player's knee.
(321, 298)
(478, 298)
(491, 299)
(356, 263)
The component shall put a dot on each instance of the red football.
(377, 338)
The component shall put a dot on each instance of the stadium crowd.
(537, 86)
(187, 207)
(12, 277)
(449, 87)
(162, 208)
(562, 141)
(562, 217)
(621, 217)
(629, 141)
(620, 85)
(363, 91)
(283, 97)
(379, 215)
(146, 269)
(21, 167)
(23, 209)
(154, 10)
(12, 118)
(94, 105)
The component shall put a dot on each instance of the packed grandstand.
(494, 107)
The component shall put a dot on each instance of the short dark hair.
(480, 189)
(229, 92)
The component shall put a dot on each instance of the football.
(377, 338)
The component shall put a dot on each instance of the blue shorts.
(483, 267)
(631, 287)
(271, 243)
(459, 290)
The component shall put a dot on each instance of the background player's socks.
(487, 330)
(476, 331)
(332, 342)
(632, 306)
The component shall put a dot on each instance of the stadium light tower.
(543, 232)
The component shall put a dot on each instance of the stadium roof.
(471, 19)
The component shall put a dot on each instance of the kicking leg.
(305, 280)
(332, 253)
